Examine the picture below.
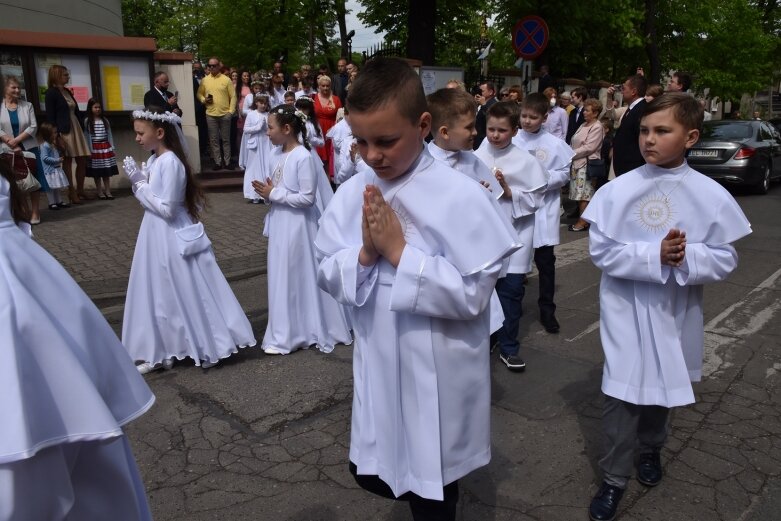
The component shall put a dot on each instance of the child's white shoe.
(146, 367)
(207, 365)
(168, 363)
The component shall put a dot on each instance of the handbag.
(192, 239)
(595, 169)
(22, 163)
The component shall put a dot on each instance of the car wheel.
(764, 184)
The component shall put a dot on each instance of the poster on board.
(80, 82)
(124, 81)
(435, 78)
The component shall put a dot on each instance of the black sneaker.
(550, 324)
(513, 362)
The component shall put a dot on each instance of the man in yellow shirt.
(217, 93)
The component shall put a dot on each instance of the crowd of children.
(423, 290)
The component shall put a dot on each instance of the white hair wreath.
(300, 115)
(166, 117)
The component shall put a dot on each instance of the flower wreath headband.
(165, 117)
(300, 115)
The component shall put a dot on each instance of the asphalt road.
(261, 437)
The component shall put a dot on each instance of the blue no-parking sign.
(530, 37)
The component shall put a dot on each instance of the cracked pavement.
(266, 437)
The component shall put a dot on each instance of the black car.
(735, 152)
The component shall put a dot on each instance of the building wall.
(63, 16)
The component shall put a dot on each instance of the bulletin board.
(11, 65)
(435, 78)
(124, 81)
(80, 82)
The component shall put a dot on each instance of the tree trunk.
(651, 47)
(341, 14)
(421, 20)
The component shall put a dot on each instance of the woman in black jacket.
(62, 110)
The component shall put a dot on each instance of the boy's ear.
(424, 125)
(443, 132)
(692, 137)
(545, 117)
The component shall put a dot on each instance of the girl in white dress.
(68, 388)
(255, 147)
(178, 302)
(300, 313)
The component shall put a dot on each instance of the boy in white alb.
(453, 129)
(523, 180)
(658, 233)
(555, 156)
(418, 278)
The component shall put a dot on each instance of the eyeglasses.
(213, 65)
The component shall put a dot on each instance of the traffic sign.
(530, 37)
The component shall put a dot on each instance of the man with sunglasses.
(217, 93)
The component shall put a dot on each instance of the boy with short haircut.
(555, 156)
(523, 180)
(658, 233)
(290, 98)
(453, 129)
(418, 277)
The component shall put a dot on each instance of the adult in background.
(545, 80)
(243, 89)
(18, 128)
(277, 90)
(63, 112)
(200, 110)
(486, 99)
(558, 119)
(587, 144)
(680, 82)
(277, 69)
(217, 93)
(326, 105)
(515, 93)
(565, 102)
(340, 80)
(579, 96)
(159, 96)
(626, 144)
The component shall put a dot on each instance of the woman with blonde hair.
(62, 110)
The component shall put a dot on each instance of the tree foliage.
(730, 46)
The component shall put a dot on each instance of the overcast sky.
(364, 36)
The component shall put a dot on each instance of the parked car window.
(728, 130)
(765, 133)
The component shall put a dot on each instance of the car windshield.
(727, 130)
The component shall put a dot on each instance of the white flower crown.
(166, 117)
(300, 115)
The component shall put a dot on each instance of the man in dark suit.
(626, 145)
(488, 94)
(159, 96)
(576, 119)
(340, 79)
(545, 80)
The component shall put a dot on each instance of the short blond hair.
(56, 75)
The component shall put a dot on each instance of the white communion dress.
(67, 387)
(177, 306)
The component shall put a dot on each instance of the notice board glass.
(78, 66)
(124, 81)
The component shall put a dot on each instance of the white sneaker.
(207, 365)
(168, 363)
(146, 367)
(273, 351)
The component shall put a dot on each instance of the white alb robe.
(651, 321)
(555, 155)
(300, 313)
(421, 403)
(254, 151)
(464, 161)
(67, 387)
(339, 134)
(177, 306)
(527, 180)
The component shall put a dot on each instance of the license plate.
(704, 153)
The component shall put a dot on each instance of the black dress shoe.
(550, 324)
(605, 504)
(649, 469)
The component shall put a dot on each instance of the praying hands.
(382, 234)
